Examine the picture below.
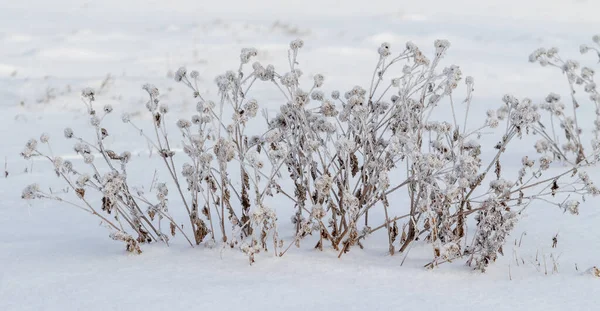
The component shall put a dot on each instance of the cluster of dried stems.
(337, 159)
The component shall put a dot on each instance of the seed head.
(180, 74)
(44, 138)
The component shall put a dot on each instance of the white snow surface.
(53, 257)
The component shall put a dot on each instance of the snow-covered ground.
(53, 257)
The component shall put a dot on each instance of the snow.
(53, 257)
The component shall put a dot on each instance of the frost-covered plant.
(339, 158)
(565, 137)
(104, 175)
(342, 151)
